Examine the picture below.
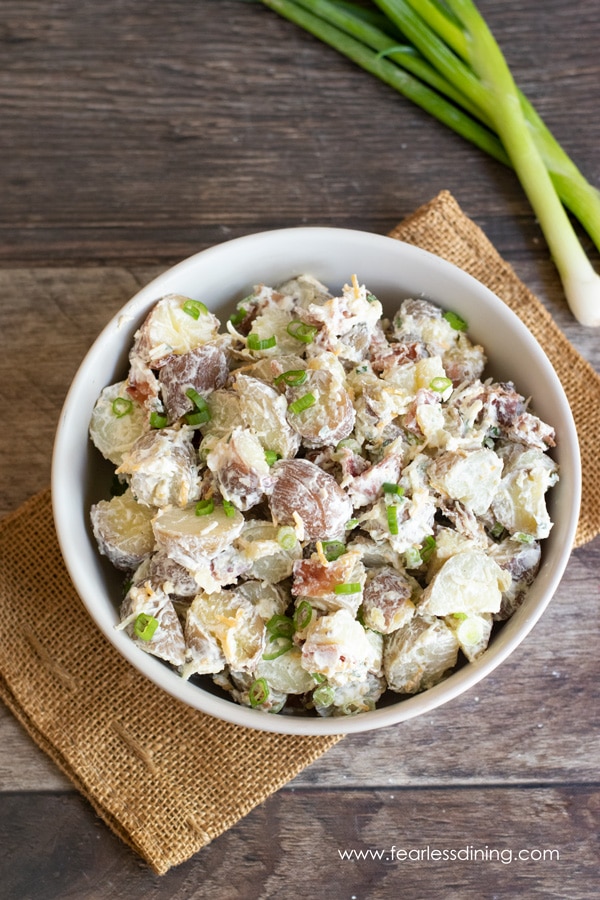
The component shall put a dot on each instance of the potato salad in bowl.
(315, 506)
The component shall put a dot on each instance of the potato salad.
(315, 505)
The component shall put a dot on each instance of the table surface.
(135, 134)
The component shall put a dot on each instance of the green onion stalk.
(443, 57)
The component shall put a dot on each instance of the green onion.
(201, 413)
(157, 420)
(371, 298)
(229, 508)
(282, 645)
(256, 343)
(193, 395)
(238, 316)
(280, 626)
(304, 402)
(412, 558)
(440, 384)
(350, 524)
(323, 695)
(428, 547)
(318, 677)
(497, 530)
(455, 321)
(392, 519)
(193, 308)
(349, 587)
(303, 615)
(286, 537)
(258, 692)
(459, 616)
(272, 456)
(144, 626)
(293, 377)
(390, 488)
(332, 550)
(121, 407)
(301, 331)
(204, 507)
(455, 70)
(523, 538)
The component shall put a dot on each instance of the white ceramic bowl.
(222, 275)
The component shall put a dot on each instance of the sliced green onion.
(332, 550)
(412, 558)
(523, 538)
(371, 297)
(258, 692)
(348, 587)
(301, 331)
(157, 420)
(256, 343)
(193, 308)
(280, 626)
(440, 384)
(459, 616)
(229, 508)
(144, 626)
(392, 519)
(272, 456)
(293, 377)
(318, 677)
(282, 645)
(302, 615)
(456, 321)
(389, 488)
(497, 530)
(200, 417)
(238, 316)
(121, 407)
(350, 524)
(302, 403)
(323, 695)
(428, 547)
(196, 398)
(204, 507)
(286, 537)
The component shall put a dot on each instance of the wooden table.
(133, 134)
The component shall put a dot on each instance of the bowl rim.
(188, 692)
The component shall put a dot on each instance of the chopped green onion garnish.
(428, 547)
(350, 524)
(280, 626)
(332, 550)
(412, 558)
(256, 343)
(301, 331)
(349, 587)
(200, 417)
(193, 308)
(371, 297)
(392, 519)
(455, 320)
(323, 695)
(272, 456)
(238, 316)
(282, 645)
(258, 693)
(318, 677)
(497, 530)
(198, 401)
(440, 384)
(523, 538)
(460, 616)
(360, 370)
(302, 615)
(229, 508)
(302, 403)
(390, 488)
(157, 420)
(121, 407)
(293, 377)
(144, 626)
(286, 537)
(205, 507)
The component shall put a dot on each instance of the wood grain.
(135, 134)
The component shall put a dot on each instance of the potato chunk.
(304, 494)
(470, 582)
(123, 530)
(234, 623)
(471, 477)
(169, 329)
(418, 655)
(190, 539)
(204, 369)
(240, 468)
(167, 641)
(114, 431)
(387, 601)
(162, 468)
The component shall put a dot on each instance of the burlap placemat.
(166, 778)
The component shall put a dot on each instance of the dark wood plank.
(478, 843)
(142, 134)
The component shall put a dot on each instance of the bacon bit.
(313, 579)
(400, 354)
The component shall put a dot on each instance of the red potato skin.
(302, 487)
(204, 369)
